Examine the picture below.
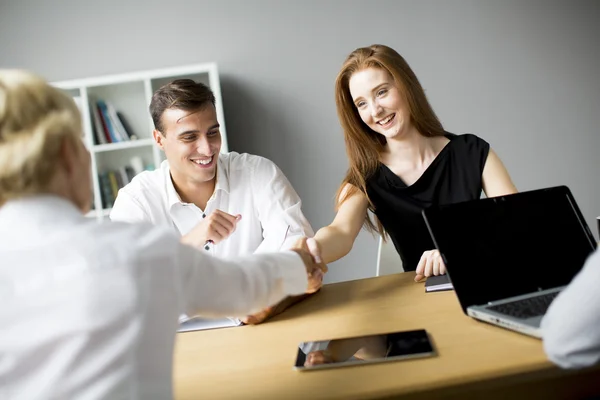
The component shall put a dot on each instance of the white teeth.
(203, 162)
(385, 121)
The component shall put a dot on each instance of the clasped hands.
(220, 225)
(308, 250)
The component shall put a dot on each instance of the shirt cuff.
(293, 274)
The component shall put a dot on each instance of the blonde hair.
(363, 145)
(35, 118)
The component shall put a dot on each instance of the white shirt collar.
(173, 197)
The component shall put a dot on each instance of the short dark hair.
(182, 94)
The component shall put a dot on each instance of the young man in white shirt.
(571, 327)
(229, 205)
(90, 311)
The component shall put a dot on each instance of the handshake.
(219, 225)
(308, 250)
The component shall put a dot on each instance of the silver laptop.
(508, 257)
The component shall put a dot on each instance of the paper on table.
(199, 323)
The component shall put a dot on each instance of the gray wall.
(521, 74)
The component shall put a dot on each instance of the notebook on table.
(509, 256)
(437, 283)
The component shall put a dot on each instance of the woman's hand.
(431, 263)
(318, 357)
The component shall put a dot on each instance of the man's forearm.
(274, 310)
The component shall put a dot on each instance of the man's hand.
(216, 227)
(431, 263)
(310, 253)
(308, 249)
(258, 317)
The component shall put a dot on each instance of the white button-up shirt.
(249, 185)
(571, 326)
(89, 311)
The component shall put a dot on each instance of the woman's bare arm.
(336, 239)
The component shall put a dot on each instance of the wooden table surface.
(474, 360)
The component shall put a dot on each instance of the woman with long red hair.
(401, 161)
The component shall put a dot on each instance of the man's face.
(191, 141)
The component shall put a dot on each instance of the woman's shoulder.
(468, 142)
(464, 137)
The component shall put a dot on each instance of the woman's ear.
(68, 155)
(158, 138)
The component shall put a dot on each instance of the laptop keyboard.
(526, 308)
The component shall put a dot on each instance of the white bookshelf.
(130, 94)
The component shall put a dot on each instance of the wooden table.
(475, 360)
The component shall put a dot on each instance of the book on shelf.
(111, 181)
(116, 123)
(437, 283)
(114, 136)
(100, 132)
(114, 184)
(106, 192)
(109, 125)
(126, 126)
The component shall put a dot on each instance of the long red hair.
(363, 145)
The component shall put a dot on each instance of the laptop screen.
(511, 245)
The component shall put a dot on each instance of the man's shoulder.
(245, 163)
(236, 159)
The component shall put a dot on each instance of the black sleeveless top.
(453, 176)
